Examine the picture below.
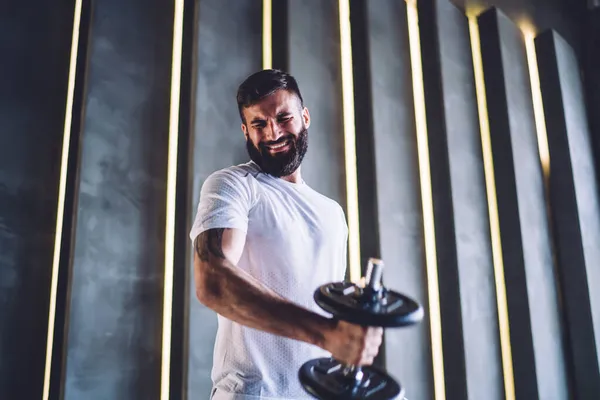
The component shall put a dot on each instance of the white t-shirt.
(296, 240)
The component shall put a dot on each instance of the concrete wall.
(116, 290)
(564, 16)
(591, 78)
(531, 287)
(396, 179)
(113, 286)
(470, 326)
(575, 207)
(314, 59)
(33, 91)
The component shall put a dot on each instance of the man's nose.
(273, 131)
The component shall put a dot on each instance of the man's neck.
(295, 177)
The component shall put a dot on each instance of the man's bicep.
(220, 244)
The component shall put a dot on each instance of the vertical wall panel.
(542, 14)
(314, 60)
(182, 273)
(365, 150)
(533, 304)
(229, 48)
(32, 116)
(78, 73)
(575, 208)
(472, 362)
(408, 350)
(114, 341)
(279, 33)
(591, 68)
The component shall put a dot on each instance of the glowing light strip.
(349, 140)
(488, 162)
(62, 188)
(267, 36)
(427, 202)
(538, 105)
(171, 197)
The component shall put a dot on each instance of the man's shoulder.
(239, 173)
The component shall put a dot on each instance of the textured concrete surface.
(574, 205)
(591, 79)
(539, 15)
(463, 243)
(408, 351)
(229, 48)
(115, 310)
(32, 114)
(114, 341)
(584, 177)
(314, 59)
(532, 295)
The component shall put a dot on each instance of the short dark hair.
(262, 84)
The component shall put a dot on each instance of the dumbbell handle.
(372, 281)
(374, 274)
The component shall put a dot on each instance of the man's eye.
(284, 119)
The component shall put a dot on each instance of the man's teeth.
(278, 146)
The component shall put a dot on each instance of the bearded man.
(264, 240)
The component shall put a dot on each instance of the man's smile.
(278, 147)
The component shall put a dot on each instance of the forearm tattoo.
(210, 243)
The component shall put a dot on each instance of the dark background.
(109, 307)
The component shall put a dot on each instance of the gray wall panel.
(114, 341)
(229, 48)
(562, 15)
(584, 176)
(470, 208)
(533, 304)
(408, 351)
(540, 269)
(591, 78)
(583, 170)
(574, 204)
(35, 43)
(314, 59)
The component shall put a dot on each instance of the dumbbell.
(373, 306)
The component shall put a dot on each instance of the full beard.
(280, 164)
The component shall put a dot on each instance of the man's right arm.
(239, 297)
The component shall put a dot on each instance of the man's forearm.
(237, 296)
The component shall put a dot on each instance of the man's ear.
(306, 117)
(245, 130)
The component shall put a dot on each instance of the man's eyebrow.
(257, 120)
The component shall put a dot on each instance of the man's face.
(276, 132)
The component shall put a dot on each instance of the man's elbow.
(207, 288)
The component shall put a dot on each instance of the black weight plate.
(323, 378)
(348, 302)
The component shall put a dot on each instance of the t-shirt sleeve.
(225, 201)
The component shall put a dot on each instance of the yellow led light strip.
(171, 197)
(267, 35)
(427, 202)
(538, 105)
(62, 187)
(349, 140)
(488, 163)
